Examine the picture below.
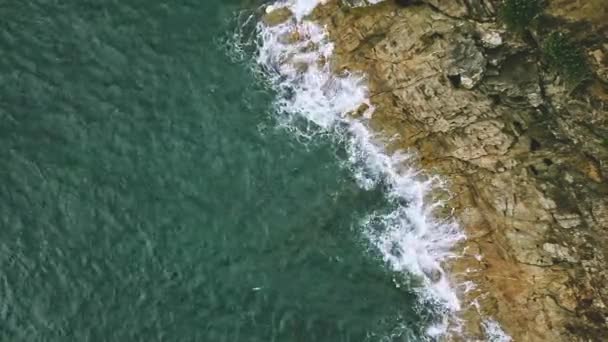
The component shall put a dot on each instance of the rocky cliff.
(526, 154)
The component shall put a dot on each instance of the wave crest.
(295, 57)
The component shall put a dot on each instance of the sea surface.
(157, 184)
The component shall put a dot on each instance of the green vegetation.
(566, 58)
(518, 14)
(560, 53)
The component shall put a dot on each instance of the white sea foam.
(295, 55)
(494, 332)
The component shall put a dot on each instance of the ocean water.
(167, 174)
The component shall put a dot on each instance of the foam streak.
(295, 55)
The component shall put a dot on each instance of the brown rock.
(277, 16)
(526, 159)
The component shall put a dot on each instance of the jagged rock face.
(477, 9)
(527, 162)
(465, 65)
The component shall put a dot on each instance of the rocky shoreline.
(527, 159)
(525, 154)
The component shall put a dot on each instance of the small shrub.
(518, 14)
(566, 58)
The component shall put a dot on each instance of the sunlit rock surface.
(526, 158)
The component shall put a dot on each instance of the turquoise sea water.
(148, 194)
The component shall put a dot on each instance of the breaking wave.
(294, 58)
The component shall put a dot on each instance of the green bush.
(566, 58)
(518, 14)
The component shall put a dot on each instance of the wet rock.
(351, 39)
(434, 274)
(361, 111)
(276, 16)
(291, 37)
